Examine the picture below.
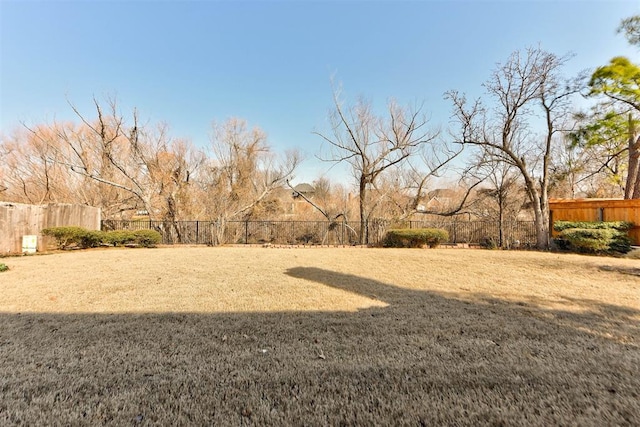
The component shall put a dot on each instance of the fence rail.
(514, 234)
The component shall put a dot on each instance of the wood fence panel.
(622, 214)
(578, 214)
(18, 220)
(598, 210)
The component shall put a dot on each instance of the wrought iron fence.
(490, 233)
(514, 234)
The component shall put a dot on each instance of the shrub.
(119, 237)
(615, 225)
(3, 267)
(562, 244)
(593, 237)
(488, 243)
(91, 239)
(308, 238)
(147, 238)
(621, 243)
(594, 240)
(414, 237)
(588, 239)
(66, 236)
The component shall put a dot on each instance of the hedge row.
(414, 237)
(593, 237)
(615, 225)
(83, 238)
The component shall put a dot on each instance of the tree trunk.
(501, 222)
(541, 220)
(220, 230)
(540, 213)
(632, 188)
(363, 215)
(542, 233)
(634, 153)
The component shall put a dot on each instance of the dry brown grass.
(235, 336)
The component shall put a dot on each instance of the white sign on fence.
(29, 244)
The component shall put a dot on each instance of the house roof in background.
(304, 188)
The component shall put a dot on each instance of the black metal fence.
(514, 234)
(511, 234)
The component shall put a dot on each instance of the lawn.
(310, 336)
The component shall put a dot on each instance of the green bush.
(414, 237)
(620, 244)
(600, 237)
(562, 244)
(144, 238)
(614, 225)
(588, 239)
(3, 267)
(119, 237)
(147, 238)
(594, 240)
(66, 236)
(82, 238)
(91, 239)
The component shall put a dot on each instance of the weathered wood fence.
(18, 220)
(598, 210)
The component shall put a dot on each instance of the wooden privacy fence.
(514, 234)
(598, 210)
(18, 220)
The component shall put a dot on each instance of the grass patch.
(319, 337)
(634, 254)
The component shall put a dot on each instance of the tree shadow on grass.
(425, 359)
(618, 323)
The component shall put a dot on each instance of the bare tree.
(124, 166)
(502, 186)
(374, 145)
(526, 85)
(408, 189)
(133, 166)
(32, 173)
(113, 154)
(105, 162)
(332, 205)
(242, 173)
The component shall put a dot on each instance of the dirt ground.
(319, 336)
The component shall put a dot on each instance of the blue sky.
(271, 62)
